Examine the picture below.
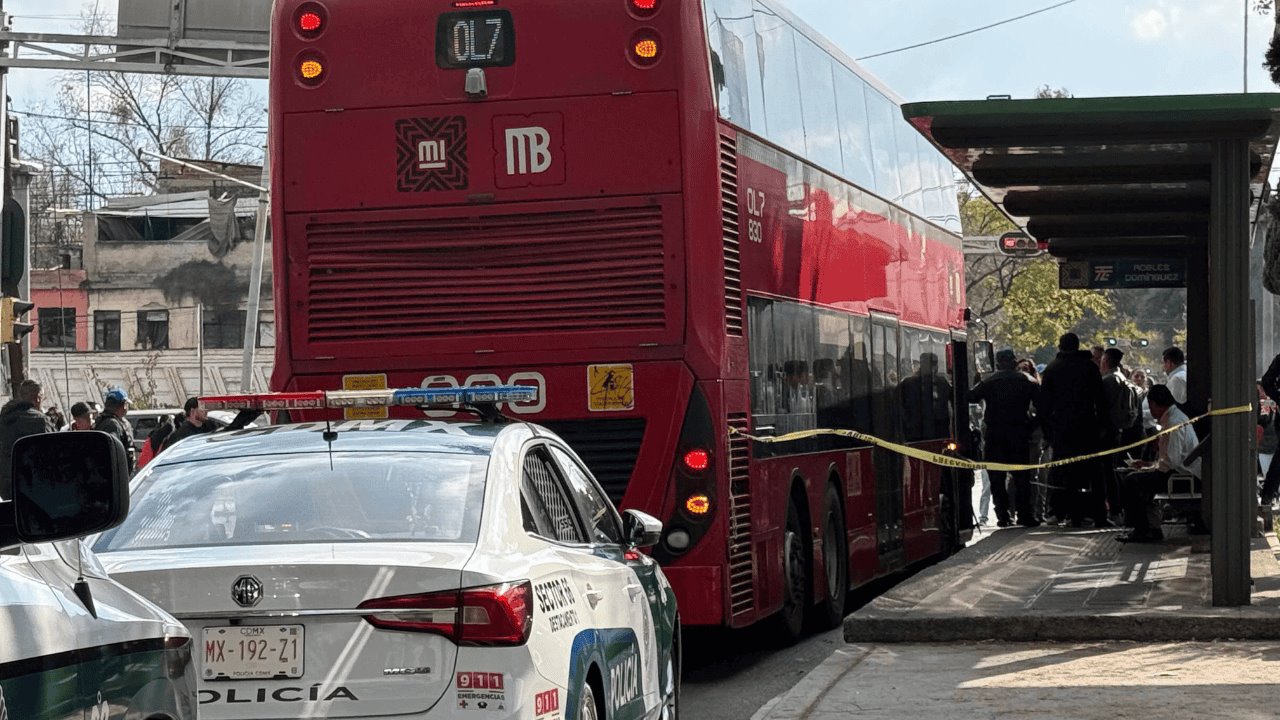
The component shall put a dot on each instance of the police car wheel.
(587, 704)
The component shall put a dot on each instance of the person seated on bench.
(1141, 487)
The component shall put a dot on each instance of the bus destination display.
(475, 39)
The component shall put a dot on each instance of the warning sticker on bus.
(610, 388)
(365, 382)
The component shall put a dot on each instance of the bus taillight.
(310, 21)
(644, 8)
(646, 48)
(697, 460)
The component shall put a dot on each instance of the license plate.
(252, 652)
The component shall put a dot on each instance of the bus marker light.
(647, 49)
(697, 460)
(311, 70)
(474, 3)
(698, 504)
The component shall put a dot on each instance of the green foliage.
(978, 217)
(1036, 312)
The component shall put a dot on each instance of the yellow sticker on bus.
(611, 388)
(365, 382)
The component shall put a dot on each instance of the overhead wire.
(966, 32)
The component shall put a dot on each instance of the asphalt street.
(730, 675)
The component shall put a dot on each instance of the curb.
(796, 703)
(1063, 628)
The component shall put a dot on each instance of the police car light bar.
(405, 397)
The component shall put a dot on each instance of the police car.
(404, 568)
(73, 642)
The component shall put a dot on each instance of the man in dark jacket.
(1010, 398)
(19, 418)
(195, 423)
(115, 405)
(1073, 412)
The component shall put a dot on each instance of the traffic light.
(1016, 244)
(12, 330)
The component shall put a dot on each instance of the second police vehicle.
(401, 568)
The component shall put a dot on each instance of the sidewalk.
(1131, 621)
(1106, 681)
(1072, 585)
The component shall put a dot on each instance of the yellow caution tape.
(961, 463)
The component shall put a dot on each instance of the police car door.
(607, 634)
(632, 684)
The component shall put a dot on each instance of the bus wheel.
(835, 561)
(789, 621)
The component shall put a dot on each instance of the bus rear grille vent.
(732, 249)
(406, 279)
(741, 560)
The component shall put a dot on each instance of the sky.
(1092, 48)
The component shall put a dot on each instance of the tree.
(988, 277)
(1036, 312)
(89, 134)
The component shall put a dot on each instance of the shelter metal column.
(1231, 478)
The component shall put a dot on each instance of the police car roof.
(430, 436)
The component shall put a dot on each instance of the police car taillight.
(405, 397)
(495, 615)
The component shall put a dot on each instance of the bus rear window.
(475, 39)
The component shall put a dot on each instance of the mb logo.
(528, 150)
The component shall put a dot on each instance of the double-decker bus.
(682, 220)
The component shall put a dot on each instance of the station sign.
(1122, 273)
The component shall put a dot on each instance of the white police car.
(403, 568)
(74, 643)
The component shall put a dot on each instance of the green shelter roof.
(1107, 176)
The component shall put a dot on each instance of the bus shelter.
(1169, 177)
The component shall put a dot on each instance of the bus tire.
(835, 560)
(789, 621)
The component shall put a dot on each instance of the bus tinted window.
(818, 101)
(884, 143)
(855, 137)
(908, 167)
(784, 123)
(735, 64)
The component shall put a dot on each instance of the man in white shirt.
(1141, 487)
(1175, 369)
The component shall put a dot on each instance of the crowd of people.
(25, 415)
(1086, 402)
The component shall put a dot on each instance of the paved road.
(729, 675)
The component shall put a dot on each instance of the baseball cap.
(115, 396)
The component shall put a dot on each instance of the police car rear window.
(363, 497)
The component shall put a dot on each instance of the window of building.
(266, 331)
(106, 330)
(222, 328)
(57, 327)
(153, 330)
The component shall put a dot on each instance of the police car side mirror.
(68, 485)
(641, 530)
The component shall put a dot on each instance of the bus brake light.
(309, 22)
(697, 460)
(644, 7)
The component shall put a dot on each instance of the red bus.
(676, 218)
